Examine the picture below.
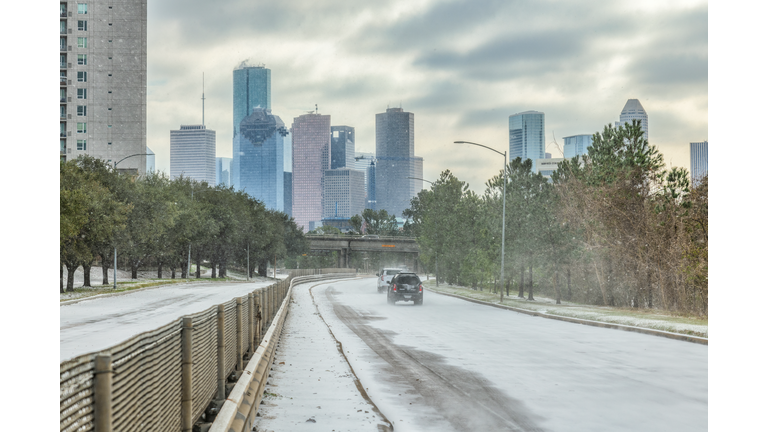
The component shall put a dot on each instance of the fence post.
(239, 327)
(186, 375)
(250, 324)
(102, 393)
(220, 354)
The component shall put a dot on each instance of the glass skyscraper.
(526, 136)
(576, 145)
(224, 171)
(342, 147)
(252, 88)
(633, 110)
(311, 157)
(395, 161)
(258, 161)
(699, 161)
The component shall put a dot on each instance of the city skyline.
(459, 66)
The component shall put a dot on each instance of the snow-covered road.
(455, 365)
(99, 323)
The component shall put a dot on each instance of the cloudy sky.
(462, 67)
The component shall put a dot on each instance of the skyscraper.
(699, 161)
(311, 157)
(576, 145)
(258, 150)
(633, 110)
(526, 136)
(251, 88)
(103, 82)
(150, 160)
(193, 153)
(370, 187)
(342, 147)
(224, 171)
(395, 161)
(288, 175)
(344, 193)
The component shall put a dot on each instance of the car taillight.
(382, 277)
(394, 288)
(420, 288)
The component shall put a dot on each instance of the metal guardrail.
(166, 379)
(357, 237)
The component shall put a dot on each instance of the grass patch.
(646, 318)
(124, 286)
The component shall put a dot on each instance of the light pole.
(416, 178)
(114, 273)
(503, 212)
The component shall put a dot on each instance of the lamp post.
(114, 273)
(416, 178)
(503, 212)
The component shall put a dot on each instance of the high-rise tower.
(193, 153)
(633, 110)
(699, 161)
(395, 161)
(576, 145)
(103, 81)
(526, 136)
(342, 147)
(311, 157)
(252, 88)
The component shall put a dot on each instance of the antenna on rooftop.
(315, 108)
(203, 99)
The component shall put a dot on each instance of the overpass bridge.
(348, 244)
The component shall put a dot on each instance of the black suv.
(405, 287)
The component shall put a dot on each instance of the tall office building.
(251, 88)
(311, 157)
(224, 171)
(342, 147)
(526, 136)
(699, 161)
(633, 110)
(193, 153)
(343, 193)
(288, 175)
(370, 187)
(576, 145)
(103, 81)
(362, 162)
(258, 149)
(395, 161)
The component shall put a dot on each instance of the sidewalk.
(311, 385)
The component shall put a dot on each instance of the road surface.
(455, 365)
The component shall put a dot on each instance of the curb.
(78, 300)
(661, 333)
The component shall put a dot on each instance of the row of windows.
(82, 110)
(82, 25)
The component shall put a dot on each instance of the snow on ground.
(311, 386)
(456, 365)
(99, 323)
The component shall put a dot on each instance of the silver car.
(385, 277)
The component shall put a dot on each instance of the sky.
(462, 67)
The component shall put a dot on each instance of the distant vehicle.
(385, 276)
(370, 236)
(405, 287)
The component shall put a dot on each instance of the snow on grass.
(651, 319)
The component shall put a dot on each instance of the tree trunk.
(87, 274)
(71, 269)
(134, 270)
(222, 270)
(159, 270)
(521, 292)
(530, 280)
(557, 286)
(213, 270)
(263, 268)
(105, 271)
(650, 290)
(508, 281)
(61, 277)
(184, 265)
(173, 271)
(197, 266)
(568, 281)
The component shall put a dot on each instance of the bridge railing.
(358, 237)
(166, 379)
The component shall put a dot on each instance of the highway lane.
(95, 324)
(456, 365)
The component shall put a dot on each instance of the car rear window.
(392, 272)
(409, 280)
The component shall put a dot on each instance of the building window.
(62, 44)
(82, 8)
(82, 42)
(82, 25)
(82, 76)
(62, 9)
(62, 129)
(109, 143)
(81, 128)
(82, 94)
(81, 145)
(63, 77)
(63, 145)
(62, 95)
(62, 27)
(81, 110)
(82, 59)
(63, 111)
(62, 61)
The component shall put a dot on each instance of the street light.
(114, 273)
(416, 178)
(503, 212)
